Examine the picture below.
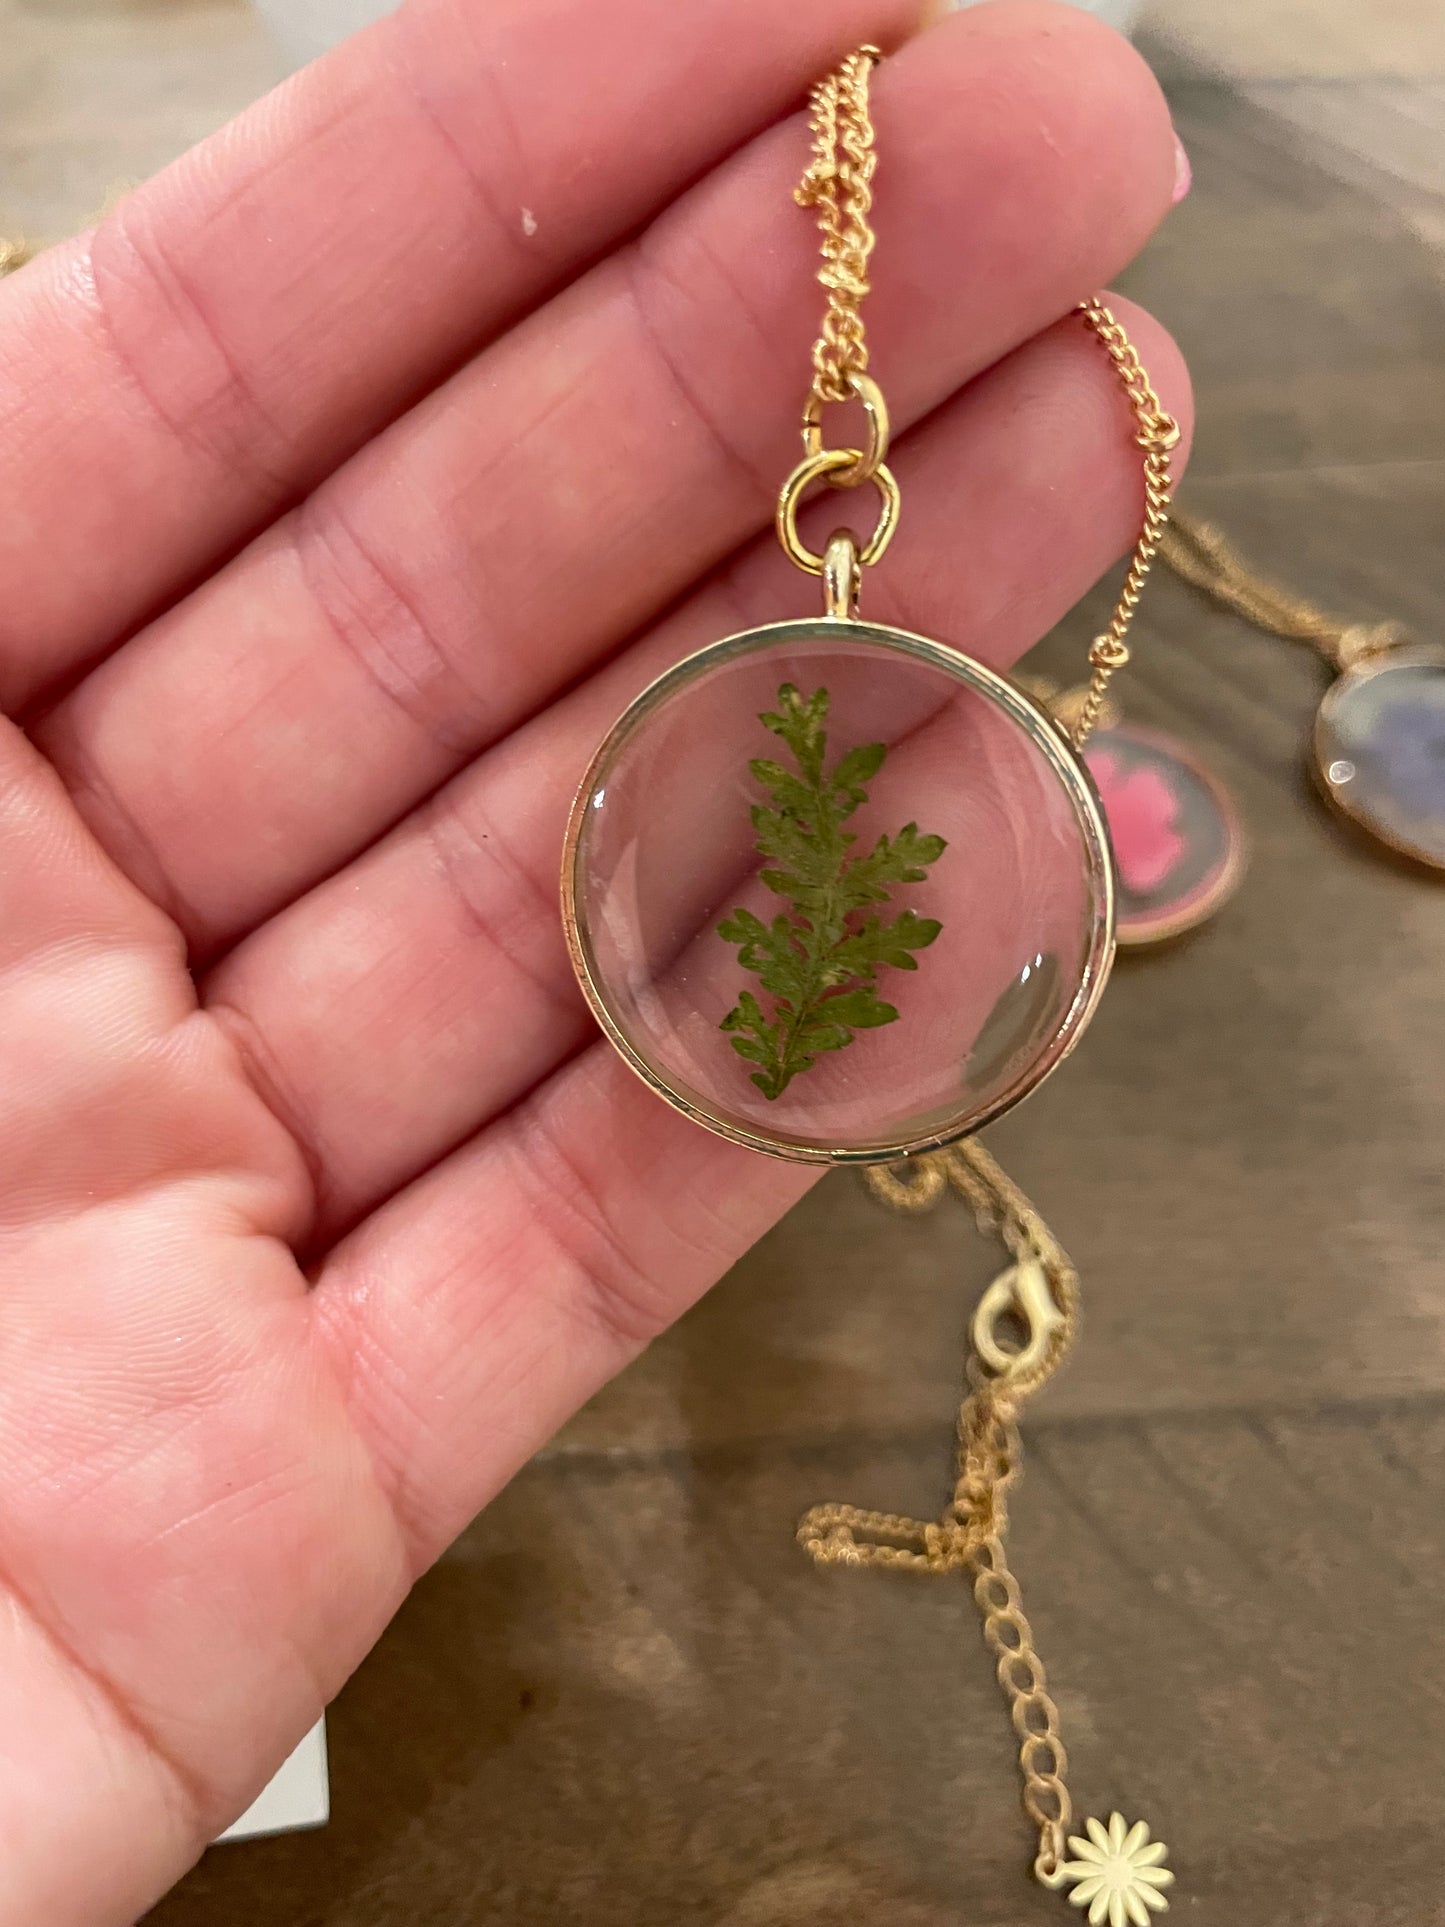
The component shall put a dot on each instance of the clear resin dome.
(1380, 749)
(838, 891)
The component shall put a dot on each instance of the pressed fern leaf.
(818, 961)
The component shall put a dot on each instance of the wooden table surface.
(625, 1699)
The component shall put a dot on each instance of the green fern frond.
(818, 961)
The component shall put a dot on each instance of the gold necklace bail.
(842, 576)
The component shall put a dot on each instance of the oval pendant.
(1180, 850)
(838, 892)
(1379, 749)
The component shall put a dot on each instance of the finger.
(240, 324)
(72, 1768)
(421, 991)
(576, 478)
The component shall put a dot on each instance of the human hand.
(357, 471)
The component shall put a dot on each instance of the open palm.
(355, 473)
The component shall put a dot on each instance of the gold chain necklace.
(735, 917)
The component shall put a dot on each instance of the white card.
(298, 1796)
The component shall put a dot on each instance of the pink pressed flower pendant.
(1179, 849)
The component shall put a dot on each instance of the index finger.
(239, 325)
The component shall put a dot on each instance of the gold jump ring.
(866, 465)
(830, 461)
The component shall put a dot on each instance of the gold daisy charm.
(1117, 1873)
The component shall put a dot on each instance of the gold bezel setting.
(1023, 711)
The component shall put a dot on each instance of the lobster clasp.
(1021, 1293)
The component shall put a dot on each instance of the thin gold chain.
(1202, 557)
(1041, 1290)
(13, 254)
(839, 185)
(1158, 436)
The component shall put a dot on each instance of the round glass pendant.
(1179, 848)
(838, 892)
(1379, 749)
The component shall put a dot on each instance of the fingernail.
(1183, 172)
